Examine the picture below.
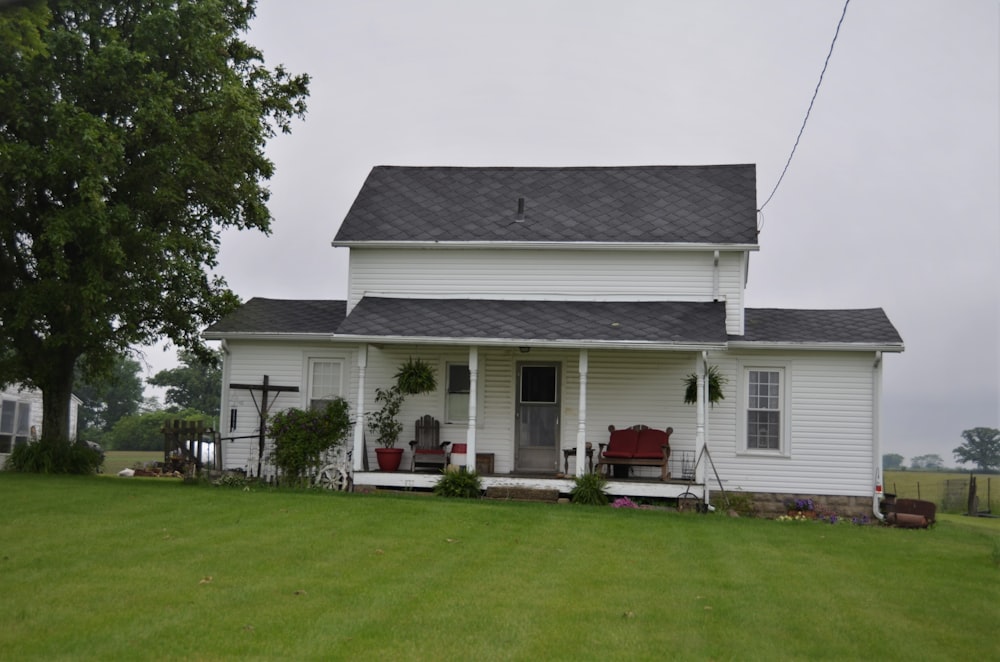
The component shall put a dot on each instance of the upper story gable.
(634, 233)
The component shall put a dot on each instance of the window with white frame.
(764, 407)
(15, 424)
(325, 381)
(457, 393)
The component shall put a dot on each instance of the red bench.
(638, 445)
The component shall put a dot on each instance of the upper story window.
(325, 381)
(765, 409)
(457, 390)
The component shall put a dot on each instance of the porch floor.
(616, 487)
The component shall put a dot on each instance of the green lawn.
(108, 568)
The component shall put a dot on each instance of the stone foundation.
(774, 505)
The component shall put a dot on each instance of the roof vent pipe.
(520, 210)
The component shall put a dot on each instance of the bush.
(589, 490)
(53, 456)
(302, 437)
(459, 483)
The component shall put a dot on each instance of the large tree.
(195, 384)
(981, 448)
(132, 132)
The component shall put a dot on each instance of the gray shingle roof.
(660, 321)
(657, 322)
(785, 325)
(642, 204)
(283, 316)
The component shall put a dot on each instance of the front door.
(537, 413)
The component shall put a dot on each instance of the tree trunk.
(57, 393)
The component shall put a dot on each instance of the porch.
(616, 487)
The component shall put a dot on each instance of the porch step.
(512, 493)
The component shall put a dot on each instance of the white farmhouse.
(555, 302)
(21, 417)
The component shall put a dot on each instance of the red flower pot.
(388, 458)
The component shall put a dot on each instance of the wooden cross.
(265, 389)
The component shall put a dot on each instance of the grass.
(102, 568)
(948, 489)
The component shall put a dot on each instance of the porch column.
(581, 429)
(699, 437)
(470, 435)
(359, 411)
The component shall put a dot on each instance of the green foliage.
(892, 461)
(108, 396)
(716, 380)
(588, 490)
(932, 462)
(383, 422)
(459, 483)
(981, 448)
(415, 376)
(302, 437)
(53, 456)
(741, 502)
(142, 432)
(195, 384)
(131, 136)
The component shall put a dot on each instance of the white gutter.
(550, 245)
(877, 435)
(816, 346)
(271, 335)
(532, 342)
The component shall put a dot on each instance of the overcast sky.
(892, 199)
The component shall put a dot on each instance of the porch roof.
(284, 317)
(790, 327)
(653, 324)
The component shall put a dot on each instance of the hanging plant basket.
(716, 380)
(416, 376)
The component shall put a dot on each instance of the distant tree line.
(115, 414)
(980, 448)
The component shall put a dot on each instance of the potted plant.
(716, 380)
(414, 376)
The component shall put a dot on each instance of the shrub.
(589, 490)
(302, 437)
(459, 483)
(740, 502)
(54, 456)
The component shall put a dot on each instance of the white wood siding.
(596, 275)
(286, 365)
(830, 448)
(830, 452)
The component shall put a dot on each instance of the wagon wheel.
(332, 477)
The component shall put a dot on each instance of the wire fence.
(949, 493)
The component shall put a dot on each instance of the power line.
(809, 110)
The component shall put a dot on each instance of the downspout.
(715, 277)
(224, 401)
(877, 434)
(699, 436)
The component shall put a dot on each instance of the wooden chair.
(427, 448)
